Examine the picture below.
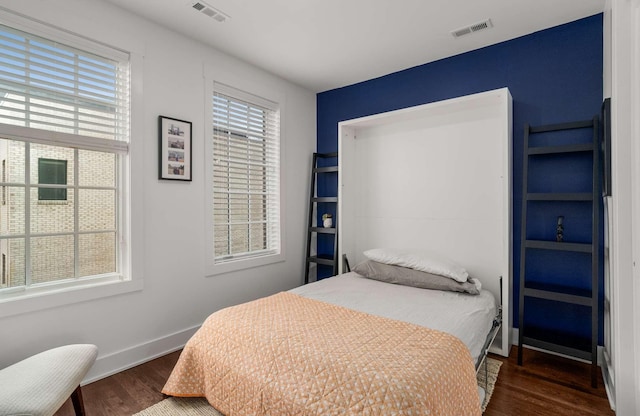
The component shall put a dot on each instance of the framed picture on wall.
(175, 149)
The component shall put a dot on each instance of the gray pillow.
(415, 278)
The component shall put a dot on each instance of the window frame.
(129, 179)
(263, 96)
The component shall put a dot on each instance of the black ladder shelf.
(558, 292)
(312, 229)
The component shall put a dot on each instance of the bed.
(381, 341)
(345, 345)
(472, 321)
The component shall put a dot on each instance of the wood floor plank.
(546, 385)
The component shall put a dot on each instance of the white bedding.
(465, 316)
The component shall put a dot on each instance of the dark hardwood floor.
(125, 393)
(544, 385)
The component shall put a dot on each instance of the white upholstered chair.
(41, 384)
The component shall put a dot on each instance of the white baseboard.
(107, 365)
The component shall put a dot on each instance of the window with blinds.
(64, 142)
(246, 176)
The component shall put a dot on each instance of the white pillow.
(419, 260)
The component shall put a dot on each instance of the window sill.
(242, 264)
(30, 301)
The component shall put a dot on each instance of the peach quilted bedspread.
(290, 355)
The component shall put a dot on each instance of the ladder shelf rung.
(326, 169)
(325, 199)
(562, 126)
(558, 296)
(561, 349)
(320, 260)
(322, 230)
(327, 155)
(560, 246)
(559, 196)
(568, 148)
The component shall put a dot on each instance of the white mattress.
(465, 316)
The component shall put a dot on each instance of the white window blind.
(50, 86)
(246, 176)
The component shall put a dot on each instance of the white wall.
(169, 218)
(625, 226)
(608, 356)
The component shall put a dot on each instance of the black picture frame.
(605, 147)
(174, 149)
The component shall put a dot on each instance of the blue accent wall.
(554, 76)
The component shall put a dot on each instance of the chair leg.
(78, 404)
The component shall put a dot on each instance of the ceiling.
(326, 44)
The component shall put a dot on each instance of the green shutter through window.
(52, 172)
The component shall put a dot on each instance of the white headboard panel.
(436, 177)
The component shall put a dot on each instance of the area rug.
(181, 406)
(177, 406)
(493, 368)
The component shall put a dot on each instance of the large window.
(246, 176)
(64, 132)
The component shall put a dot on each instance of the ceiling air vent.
(472, 28)
(209, 11)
